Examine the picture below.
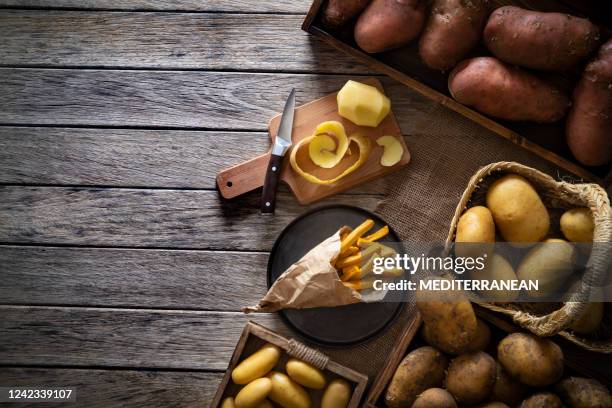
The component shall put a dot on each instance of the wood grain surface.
(98, 388)
(185, 99)
(166, 40)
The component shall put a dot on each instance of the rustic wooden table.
(122, 271)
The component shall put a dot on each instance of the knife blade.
(282, 143)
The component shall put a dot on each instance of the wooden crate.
(405, 65)
(577, 361)
(255, 336)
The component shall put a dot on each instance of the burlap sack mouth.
(553, 318)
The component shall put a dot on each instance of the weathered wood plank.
(123, 337)
(166, 40)
(128, 157)
(119, 388)
(143, 217)
(247, 6)
(215, 100)
(166, 279)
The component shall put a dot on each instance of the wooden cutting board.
(250, 175)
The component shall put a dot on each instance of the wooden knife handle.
(268, 197)
(243, 177)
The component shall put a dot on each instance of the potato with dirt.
(506, 389)
(338, 12)
(580, 392)
(471, 377)
(453, 28)
(506, 92)
(531, 360)
(542, 400)
(539, 40)
(389, 24)
(420, 370)
(589, 124)
(435, 398)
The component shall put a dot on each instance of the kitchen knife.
(282, 143)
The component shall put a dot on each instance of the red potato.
(388, 24)
(505, 92)
(454, 27)
(589, 124)
(338, 12)
(538, 40)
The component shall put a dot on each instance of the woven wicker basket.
(556, 195)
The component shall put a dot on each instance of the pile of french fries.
(355, 263)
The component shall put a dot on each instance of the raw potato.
(393, 150)
(532, 360)
(542, 400)
(581, 392)
(228, 403)
(362, 104)
(480, 340)
(420, 370)
(435, 398)
(497, 268)
(453, 28)
(252, 394)
(505, 91)
(475, 226)
(539, 40)
(577, 225)
(590, 320)
(305, 374)
(388, 24)
(589, 124)
(265, 404)
(550, 263)
(286, 393)
(338, 12)
(256, 365)
(506, 389)
(329, 145)
(518, 211)
(450, 325)
(337, 394)
(470, 377)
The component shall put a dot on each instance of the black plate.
(332, 326)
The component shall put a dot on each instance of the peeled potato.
(329, 145)
(362, 104)
(393, 150)
(577, 225)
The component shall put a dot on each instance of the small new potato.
(539, 40)
(421, 369)
(475, 226)
(252, 394)
(550, 263)
(577, 225)
(506, 389)
(435, 398)
(305, 374)
(388, 24)
(532, 360)
(256, 365)
(581, 392)
(542, 400)
(453, 28)
(337, 394)
(518, 211)
(506, 92)
(497, 268)
(471, 377)
(287, 393)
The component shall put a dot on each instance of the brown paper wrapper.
(310, 282)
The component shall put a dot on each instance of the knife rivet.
(273, 168)
(267, 203)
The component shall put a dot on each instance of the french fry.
(352, 250)
(354, 235)
(350, 273)
(349, 261)
(381, 233)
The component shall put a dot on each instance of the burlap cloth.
(446, 149)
